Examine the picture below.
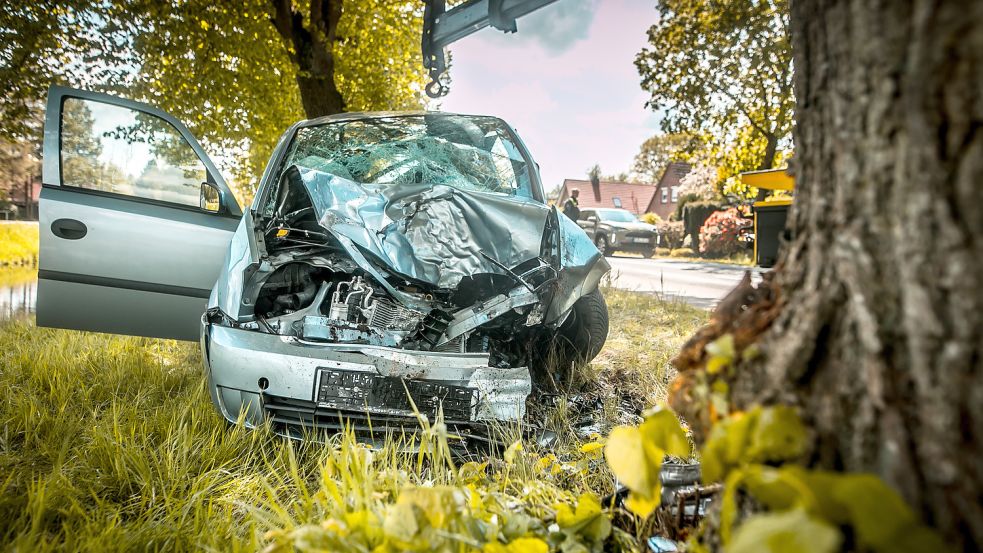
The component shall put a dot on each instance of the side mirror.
(210, 199)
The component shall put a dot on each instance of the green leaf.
(625, 454)
(721, 352)
(662, 428)
(787, 532)
(881, 518)
(778, 435)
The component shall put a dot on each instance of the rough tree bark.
(312, 50)
(879, 329)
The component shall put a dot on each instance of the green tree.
(717, 67)
(238, 73)
(658, 151)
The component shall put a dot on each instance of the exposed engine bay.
(317, 292)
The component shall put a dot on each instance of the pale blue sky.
(566, 81)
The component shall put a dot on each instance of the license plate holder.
(366, 392)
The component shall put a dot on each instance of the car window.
(467, 152)
(616, 215)
(116, 149)
(584, 215)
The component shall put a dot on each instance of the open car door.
(135, 220)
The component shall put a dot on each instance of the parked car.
(388, 260)
(619, 230)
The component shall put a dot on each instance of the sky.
(566, 82)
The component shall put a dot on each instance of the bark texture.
(311, 47)
(879, 335)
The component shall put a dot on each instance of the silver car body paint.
(237, 359)
(424, 233)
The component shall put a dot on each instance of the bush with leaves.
(719, 235)
(671, 233)
(651, 218)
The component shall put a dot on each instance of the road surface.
(699, 284)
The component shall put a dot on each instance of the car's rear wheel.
(647, 254)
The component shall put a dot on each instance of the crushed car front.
(393, 264)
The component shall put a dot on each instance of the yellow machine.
(769, 216)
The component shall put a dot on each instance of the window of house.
(675, 193)
(665, 196)
(617, 201)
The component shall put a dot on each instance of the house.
(634, 197)
(666, 197)
(23, 200)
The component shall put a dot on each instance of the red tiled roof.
(635, 197)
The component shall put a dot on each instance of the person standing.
(571, 207)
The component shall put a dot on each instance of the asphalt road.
(699, 284)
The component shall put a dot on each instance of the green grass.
(686, 254)
(18, 243)
(111, 443)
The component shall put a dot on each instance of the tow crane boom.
(441, 27)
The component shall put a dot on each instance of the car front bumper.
(261, 377)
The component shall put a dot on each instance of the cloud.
(557, 27)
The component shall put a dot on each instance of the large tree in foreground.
(873, 323)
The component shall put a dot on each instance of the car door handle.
(69, 229)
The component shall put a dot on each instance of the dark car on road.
(618, 230)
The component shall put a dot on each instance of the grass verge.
(18, 243)
(111, 443)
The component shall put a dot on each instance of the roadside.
(112, 443)
(700, 284)
(18, 243)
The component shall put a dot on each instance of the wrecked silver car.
(390, 262)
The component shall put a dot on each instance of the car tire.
(647, 254)
(590, 329)
(602, 245)
(577, 342)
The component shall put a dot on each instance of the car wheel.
(647, 254)
(602, 245)
(590, 329)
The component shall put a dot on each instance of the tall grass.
(111, 443)
(18, 243)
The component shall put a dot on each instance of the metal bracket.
(441, 27)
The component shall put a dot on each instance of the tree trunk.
(879, 337)
(771, 148)
(311, 49)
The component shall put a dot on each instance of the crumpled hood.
(436, 234)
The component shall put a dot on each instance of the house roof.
(672, 176)
(634, 197)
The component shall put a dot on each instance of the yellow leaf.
(591, 447)
(788, 532)
(721, 352)
(512, 451)
(528, 545)
(625, 454)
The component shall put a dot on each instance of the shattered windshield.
(466, 152)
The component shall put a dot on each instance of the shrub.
(683, 200)
(662, 251)
(671, 233)
(682, 252)
(695, 213)
(719, 234)
(651, 218)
